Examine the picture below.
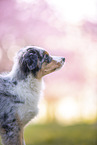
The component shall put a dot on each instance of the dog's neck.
(16, 72)
(16, 75)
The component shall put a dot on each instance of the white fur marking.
(29, 92)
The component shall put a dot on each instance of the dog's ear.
(31, 60)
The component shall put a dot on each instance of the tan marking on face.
(49, 68)
(46, 53)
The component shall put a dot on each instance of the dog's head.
(37, 61)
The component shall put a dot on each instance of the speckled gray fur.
(20, 91)
(10, 127)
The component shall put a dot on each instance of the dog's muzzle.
(59, 60)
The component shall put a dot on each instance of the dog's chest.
(28, 93)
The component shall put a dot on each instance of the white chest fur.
(29, 92)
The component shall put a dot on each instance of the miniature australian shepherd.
(20, 90)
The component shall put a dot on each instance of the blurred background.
(66, 28)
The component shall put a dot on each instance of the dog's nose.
(63, 59)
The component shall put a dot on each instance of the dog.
(20, 90)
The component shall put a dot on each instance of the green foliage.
(54, 134)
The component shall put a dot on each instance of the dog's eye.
(47, 58)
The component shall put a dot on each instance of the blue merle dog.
(20, 90)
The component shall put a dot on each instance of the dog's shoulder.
(5, 83)
(7, 90)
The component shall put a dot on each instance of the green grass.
(54, 134)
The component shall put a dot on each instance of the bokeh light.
(64, 28)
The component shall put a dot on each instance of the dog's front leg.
(12, 138)
(23, 142)
(12, 132)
